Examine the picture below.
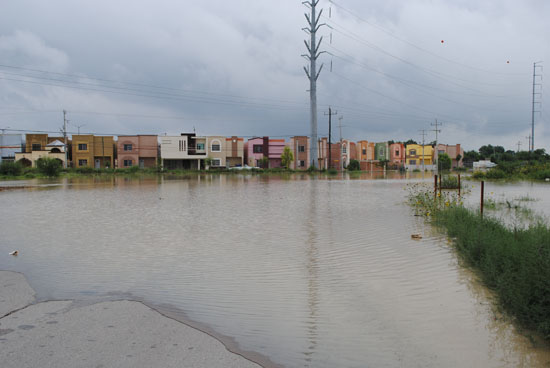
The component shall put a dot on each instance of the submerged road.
(105, 334)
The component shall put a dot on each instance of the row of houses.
(189, 151)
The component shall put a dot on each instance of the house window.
(301, 148)
(397, 152)
(258, 148)
(216, 146)
(200, 146)
(364, 151)
(381, 151)
(36, 147)
(127, 163)
(82, 162)
(302, 163)
(344, 149)
(441, 152)
(216, 162)
(82, 147)
(412, 153)
(128, 147)
(182, 146)
(412, 162)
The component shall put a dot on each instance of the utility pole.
(330, 113)
(423, 158)
(519, 145)
(65, 137)
(529, 142)
(436, 154)
(311, 72)
(533, 111)
(340, 118)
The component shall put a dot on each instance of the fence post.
(458, 186)
(435, 187)
(482, 194)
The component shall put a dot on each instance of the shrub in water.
(49, 166)
(10, 168)
(354, 165)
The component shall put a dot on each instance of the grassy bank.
(513, 262)
(515, 171)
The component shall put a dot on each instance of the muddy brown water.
(305, 271)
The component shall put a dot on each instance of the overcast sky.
(235, 68)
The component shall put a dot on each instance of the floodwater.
(306, 271)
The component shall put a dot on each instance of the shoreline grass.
(513, 262)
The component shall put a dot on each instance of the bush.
(332, 171)
(49, 166)
(354, 165)
(10, 168)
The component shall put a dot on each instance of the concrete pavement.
(106, 334)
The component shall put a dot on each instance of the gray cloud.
(391, 74)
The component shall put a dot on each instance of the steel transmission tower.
(533, 110)
(311, 71)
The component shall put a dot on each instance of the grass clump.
(514, 262)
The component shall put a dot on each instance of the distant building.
(183, 152)
(9, 145)
(382, 151)
(299, 146)
(329, 158)
(264, 152)
(397, 154)
(93, 151)
(419, 157)
(55, 150)
(456, 153)
(225, 152)
(137, 150)
(483, 164)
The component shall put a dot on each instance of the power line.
(391, 34)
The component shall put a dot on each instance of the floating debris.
(416, 236)
(14, 253)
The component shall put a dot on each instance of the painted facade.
(258, 149)
(141, 150)
(453, 152)
(382, 151)
(329, 158)
(93, 151)
(55, 150)
(225, 152)
(300, 148)
(183, 152)
(416, 156)
(397, 154)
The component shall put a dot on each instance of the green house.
(382, 151)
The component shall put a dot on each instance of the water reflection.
(309, 271)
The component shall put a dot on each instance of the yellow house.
(416, 155)
(93, 151)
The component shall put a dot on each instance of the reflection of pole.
(312, 271)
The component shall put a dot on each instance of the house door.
(97, 163)
(141, 163)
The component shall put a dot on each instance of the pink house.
(134, 150)
(256, 149)
(397, 154)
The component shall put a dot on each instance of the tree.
(444, 162)
(10, 168)
(410, 141)
(287, 157)
(354, 165)
(49, 166)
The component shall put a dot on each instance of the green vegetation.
(287, 157)
(49, 167)
(10, 168)
(514, 262)
(353, 166)
(444, 162)
(449, 182)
